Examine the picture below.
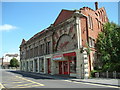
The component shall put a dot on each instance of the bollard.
(98, 74)
(115, 74)
(107, 74)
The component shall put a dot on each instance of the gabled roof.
(39, 33)
(23, 41)
(64, 14)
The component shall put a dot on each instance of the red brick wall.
(98, 15)
(83, 31)
(101, 18)
(64, 14)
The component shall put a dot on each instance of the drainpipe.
(78, 14)
(2, 63)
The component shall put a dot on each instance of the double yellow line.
(30, 81)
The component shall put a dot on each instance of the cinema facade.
(63, 47)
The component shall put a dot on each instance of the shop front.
(65, 63)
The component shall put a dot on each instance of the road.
(17, 79)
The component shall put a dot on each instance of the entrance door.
(36, 66)
(49, 65)
(60, 68)
(27, 65)
(64, 67)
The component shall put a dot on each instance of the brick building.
(62, 47)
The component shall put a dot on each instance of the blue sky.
(24, 19)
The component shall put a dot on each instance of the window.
(96, 14)
(97, 23)
(91, 42)
(43, 49)
(90, 22)
(36, 51)
(27, 54)
(99, 14)
(48, 47)
(40, 48)
(31, 53)
(102, 27)
(31, 66)
(73, 64)
(41, 63)
(35, 65)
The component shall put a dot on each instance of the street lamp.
(2, 62)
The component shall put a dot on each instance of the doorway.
(49, 65)
(64, 67)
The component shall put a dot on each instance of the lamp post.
(2, 62)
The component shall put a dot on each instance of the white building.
(7, 57)
(0, 62)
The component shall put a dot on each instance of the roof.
(64, 14)
(12, 55)
(6, 63)
(23, 41)
(86, 8)
(39, 33)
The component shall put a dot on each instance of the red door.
(60, 68)
(64, 67)
(49, 65)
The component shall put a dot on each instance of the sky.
(24, 19)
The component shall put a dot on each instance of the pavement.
(112, 82)
(102, 81)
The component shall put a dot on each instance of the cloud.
(7, 27)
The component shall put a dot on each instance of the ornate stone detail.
(65, 39)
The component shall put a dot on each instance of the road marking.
(1, 86)
(67, 80)
(30, 81)
(17, 82)
(25, 84)
(93, 84)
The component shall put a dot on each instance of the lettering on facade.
(65, 43)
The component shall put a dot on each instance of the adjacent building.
(63, 47)
(0, 62)
(7, 57)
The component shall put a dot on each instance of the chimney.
(96, 5)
